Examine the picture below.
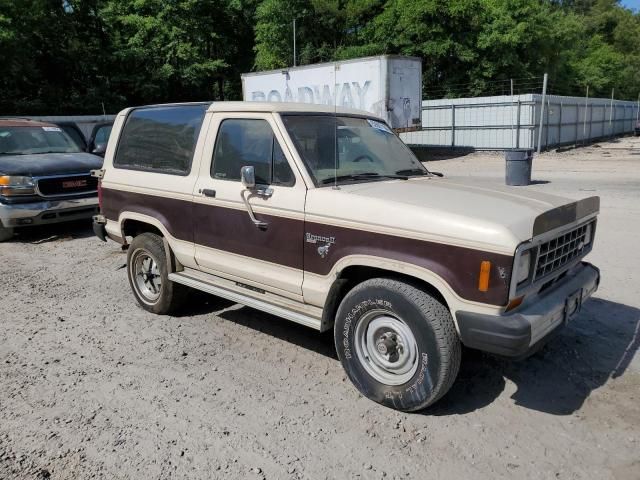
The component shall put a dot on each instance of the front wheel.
(5, 233)
(149, 276)
(397, 343)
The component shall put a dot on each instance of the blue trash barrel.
(518, 168)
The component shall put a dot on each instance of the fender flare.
(452, 299)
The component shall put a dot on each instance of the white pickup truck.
(325, 218)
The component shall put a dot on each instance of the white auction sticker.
(51, 129)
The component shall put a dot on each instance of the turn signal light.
(514, 303)
(16, 185)
(483, 280)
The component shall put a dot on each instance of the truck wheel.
(397, 343)
(149, 278)
(5, 233)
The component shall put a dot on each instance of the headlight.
(523, 266)
(13, 185)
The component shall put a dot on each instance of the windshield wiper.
(418, 171)
(361, 176)
(412, 171)
(12, 153)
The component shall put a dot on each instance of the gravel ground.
(92, 386)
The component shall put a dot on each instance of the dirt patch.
(93, 386)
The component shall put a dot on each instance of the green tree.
(76, 56)
(182, 50)
(51, 56)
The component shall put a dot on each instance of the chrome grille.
(559, 251)
(66, 185)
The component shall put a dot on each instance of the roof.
(335, 63)
(269, 107)
(284, 107)
(23, 122)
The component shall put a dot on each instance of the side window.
(250, 142)
(102, 135)
(159, 139)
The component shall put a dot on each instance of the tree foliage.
(83, 56)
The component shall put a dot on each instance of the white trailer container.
(388, 86)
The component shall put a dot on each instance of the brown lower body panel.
(313, 247)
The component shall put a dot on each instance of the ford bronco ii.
(324, 217)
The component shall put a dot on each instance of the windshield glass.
(25, 140)
(365, 149)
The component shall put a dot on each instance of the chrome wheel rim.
(147, 278)
(386, 347)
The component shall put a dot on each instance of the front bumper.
(521, 333)
(47, 211)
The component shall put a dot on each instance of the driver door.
(228, 243)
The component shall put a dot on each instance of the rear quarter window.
(160, 139)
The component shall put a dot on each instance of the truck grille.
(558, 252)
(67, 185)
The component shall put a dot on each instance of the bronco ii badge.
(323, 250)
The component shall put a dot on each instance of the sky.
(635, 4)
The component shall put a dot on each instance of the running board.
(189, 281)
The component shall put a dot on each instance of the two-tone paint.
(435, 230)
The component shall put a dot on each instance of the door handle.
(207, 192)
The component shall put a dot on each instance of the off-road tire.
(171, 295)
(5, 233)
(430, 322)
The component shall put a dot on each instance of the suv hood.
(461, 211)
(43, 164)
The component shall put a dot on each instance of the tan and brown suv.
(326, 218)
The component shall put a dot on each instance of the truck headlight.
(16, 185)
(523, 267)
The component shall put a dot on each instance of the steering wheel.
(363, 157)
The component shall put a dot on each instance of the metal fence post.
(295, 56)
(453, 125)
(511, 112)
(584, 126)
(560, 124)
(518, 125)
(546, 133)
(544, 96)
(590, 121)
(611, 115)
(577, 122)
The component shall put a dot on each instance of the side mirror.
(99, 149)
(248, 177)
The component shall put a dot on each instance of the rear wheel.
(397, 343)
(149, 276)
(5, 233)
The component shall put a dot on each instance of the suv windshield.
(27, 140)
(350, 149)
